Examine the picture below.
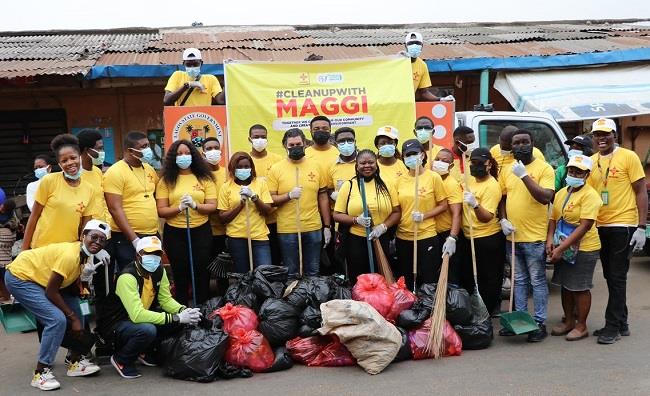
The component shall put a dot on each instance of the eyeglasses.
(97, 238)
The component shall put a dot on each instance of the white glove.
(197, 85)
(448, 98)
(519, 169)
(327, 236)
(295, 193)
(449, 247)
(246, 191)
(378, 231)
(89, 269)
(470, 199)
(363, 221)
(506, 227)
(188, 202)
(103, 257)
(189, 316)
(334, 195)
(418, 217)
(638, 239)
(135, 243)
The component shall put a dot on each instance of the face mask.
(213, 156)
(478, 170)
(441, 167)
(259, 144)
(72, 177)
(346, 149)
(85, 250)
(505, 153)
(150, 262)
(423, 135)
(184, 161)
(414, 50)
(412, 161)
(296, 152)
(574, 181)
(101, 155)
(462, 147)
(321, 137)
(523, 153)
(387, 150)
(243, 173)
(574, 152)
(193, 72)
(147, 154)
(40, 172)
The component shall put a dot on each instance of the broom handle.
(248, 237)
(512, 269)
(416, 202)
(364, 203)
(298, 222)
(471, 223)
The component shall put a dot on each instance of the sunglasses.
(97, 238)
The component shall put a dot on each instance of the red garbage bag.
(373, 289)
(335, 354)
(419, 337)
(403, 299)
(304, 350)
(237, 317)
(249, 349)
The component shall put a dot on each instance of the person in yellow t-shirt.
(383, 213)
(186, 195)
(448, 223)
(463, 138)
(423, 131)
(619, 178)
(37, 277)
(264, 160)
(190, 87)
(244, 202)
(502, 152)
(481, 202)
(431, 201)
(344, 167)
(92, 160)
(421, 78)
(322, 151)
(389, 161)
(297, 186)
(64, 203)
(572, 244)
(527, 187)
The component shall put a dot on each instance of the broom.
(383, 264)
(416, 225)
(436, 345)
(294, 283)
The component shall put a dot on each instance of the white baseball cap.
(149, 244)
(409, 37)
(581, 162)
(191, 54)
(603, 124)
(96, 225)
(388, 131)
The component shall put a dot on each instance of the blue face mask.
(40, 172)
(387, 150)
(346, 149)
(412, 161)
(243, 173)
(101, 156)
(147, 154)
(150, 262)
(414, 50)
(574, 181)
(72, 177)
(184, 161)
(423, 135)
(193, 72)
(573, 153)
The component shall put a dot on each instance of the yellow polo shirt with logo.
(488, 195)
(96, 179)
(380, 205)
(339, 173)
(421, 78)
(508, 160)
(391, 173)
(219, 180)
(199, 190)
(196, 98)
(454, 196)
(229, 198)
(431, 190)
(262, 168)
(582, 204)
(37, 265)
(324, 158)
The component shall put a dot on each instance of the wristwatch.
(255, 197)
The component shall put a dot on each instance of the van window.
(544, 138)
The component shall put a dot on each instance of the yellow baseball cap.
(604, 125)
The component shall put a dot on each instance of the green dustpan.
(16, 319)
(519, 322)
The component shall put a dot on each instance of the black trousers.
(176, 247)
(357, 255)
(615, 245)
(429, 261)
(218, 246)
(276, 254)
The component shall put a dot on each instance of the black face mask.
(478, 170)
(523, 153)
(296, 152)
(321, 137)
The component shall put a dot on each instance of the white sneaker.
(81, 368)
(45, 380)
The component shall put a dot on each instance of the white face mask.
(441, 167)
(259, 144)
(213, 156)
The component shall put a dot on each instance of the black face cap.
(412, 146)
(481, 154)
(582, 140)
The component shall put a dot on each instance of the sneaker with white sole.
(45, 380)
(81, 368)
(127, 371)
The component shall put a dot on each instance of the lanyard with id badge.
(604, 193)
(562, 231)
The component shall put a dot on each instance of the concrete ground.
(510, 367)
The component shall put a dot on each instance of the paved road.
(510, 367)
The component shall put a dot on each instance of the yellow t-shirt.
(199, 190)
(454, 196)
(433, 151)
(282, 179)
(582, 204)
(137, 187)
(197, 98)
(458, 170)
(508, 160)
(379, 206)
(148, 293)
(624, 169)
(262, 169)
(339, 173)
(325, 159)
(96, 179)
(524, 212)
(421, 78)
(488, 195)
(63, 208)
(220, 178)
(229, 198)
(391, 173)
(37, 265)
(431, 190)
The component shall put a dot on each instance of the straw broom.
(383, 264)
(436, 343)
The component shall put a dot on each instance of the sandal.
(561, 329)
(575, 335)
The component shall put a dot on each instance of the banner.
(195, 124)
(443, 116)
(361, 94)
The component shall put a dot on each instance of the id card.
(604, 196)
(85, 307)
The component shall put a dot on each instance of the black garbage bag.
(279, 321)
(414, 317)
(305, 331)
(404, 352)
(194, 354)
(459, 306)
(209, 317)
(312, 291)
(269, 280)
(311, 317)
(427, 294)
(228, 371)
(282, 360)
(208, 307)
(241, 292)
(339, 288)
(476, 336)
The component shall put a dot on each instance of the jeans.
(32, 296)
(530, 267)
(239, 252)
(615, 242)
(132, 339)
(311, 243)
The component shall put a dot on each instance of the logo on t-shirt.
(312, 176)
(198, 187)
(613, 172)
(81, 207)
